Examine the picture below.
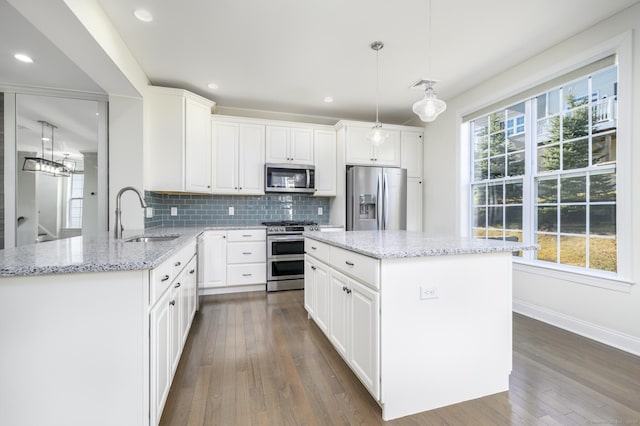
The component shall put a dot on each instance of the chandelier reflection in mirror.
(44, 165)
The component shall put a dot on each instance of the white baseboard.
(595, 332)
(232, 289)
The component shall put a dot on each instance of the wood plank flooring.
(255, 359)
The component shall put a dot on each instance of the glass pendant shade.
(377, 136)
(429, 107)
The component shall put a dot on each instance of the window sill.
(608, 283)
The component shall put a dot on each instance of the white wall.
(611, 316)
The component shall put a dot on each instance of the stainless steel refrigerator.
(376, 198)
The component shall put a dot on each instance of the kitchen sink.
(151, 238)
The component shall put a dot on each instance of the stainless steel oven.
(285, 254)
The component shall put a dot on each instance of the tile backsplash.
(212, 210)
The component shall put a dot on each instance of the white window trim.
(620, 45)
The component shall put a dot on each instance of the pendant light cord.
(377, 81)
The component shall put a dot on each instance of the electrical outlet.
(174, 211)
(320, 212)
(428, 293)
(149, 212)
(232, 211)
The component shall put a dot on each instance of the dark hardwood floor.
(255, 359)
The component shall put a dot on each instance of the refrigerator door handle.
(385, 191)
(379, 205)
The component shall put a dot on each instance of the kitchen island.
(423, 322)
(92, 328)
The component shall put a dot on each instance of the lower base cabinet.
(348, 312)
(169, 321)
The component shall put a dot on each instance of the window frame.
(622, 279)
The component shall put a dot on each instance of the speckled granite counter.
(99, 254)
(399, 244)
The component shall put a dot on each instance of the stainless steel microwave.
(289, 178)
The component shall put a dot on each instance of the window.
(544, 170)
(75, 191)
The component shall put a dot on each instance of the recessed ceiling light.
(213, 86)
(328, 99)
(23, 58)
(143, 15)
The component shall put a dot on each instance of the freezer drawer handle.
(349, 263)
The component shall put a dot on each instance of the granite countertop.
(400, 244)
(99, 254)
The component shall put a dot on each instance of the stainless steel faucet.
(118, 226)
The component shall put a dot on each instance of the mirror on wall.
(57, 174)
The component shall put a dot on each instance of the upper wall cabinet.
(359, 151)
(238, 157)
(178, 140)
(325, 162)
(411, 153)
(289, 145)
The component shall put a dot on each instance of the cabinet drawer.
(364, 268)
(160, 278)
(179, 260)
(317, 249)
(254, 252)
(246, 235)
(254, 273)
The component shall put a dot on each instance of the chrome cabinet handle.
(348, 291)
(246, 252)
(246, 235)
(313, 268)
(177, 285)
(246, 275)
(172, 303)
(177, 264)
(349, 263)
(192, 271)
(313, 248)
(344, 288)
(166, 277)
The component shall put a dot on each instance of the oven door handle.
(289, 237)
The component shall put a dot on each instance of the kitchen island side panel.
(74, 348)
(454, 347)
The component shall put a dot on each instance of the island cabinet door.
(339, 313)
(160, 355)
(310, 269)
(322, 296)
(364, 356)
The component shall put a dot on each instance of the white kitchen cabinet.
(339, 314)
(289, 145)
(238, 158)
(359, 151)
(212, 252)
(160, 322)
(310, 287)
(411, 154)
(316, 291)
(324, 149)
(414, 204)
(169, 322)
(178, 141)
(411, 150)
(233, 258)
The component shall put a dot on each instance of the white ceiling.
(287, 55)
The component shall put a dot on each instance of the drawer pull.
(348, 291)
(344, 288)
(166, 277)
(177, 285)
(246, 235)
(246, 275)
(314, 268)
(177, 264)
(313, 248)
(349, 263)
(192, 271)
(172, 303)
(246, 252)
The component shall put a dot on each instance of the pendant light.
(429, 107)
(377, 136)
(44, 165)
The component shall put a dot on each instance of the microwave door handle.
(308, 179)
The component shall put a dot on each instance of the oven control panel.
(291, 229)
